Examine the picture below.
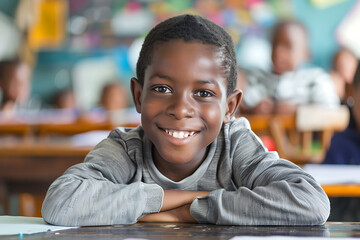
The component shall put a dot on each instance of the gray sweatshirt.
(118, 183)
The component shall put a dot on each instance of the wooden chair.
(294, 140)
(260, 123)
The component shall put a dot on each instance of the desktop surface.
(170, 231)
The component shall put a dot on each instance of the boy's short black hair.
(190, 28)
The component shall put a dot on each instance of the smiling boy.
(190, 161)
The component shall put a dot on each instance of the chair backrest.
(260, 123)
(312, 126)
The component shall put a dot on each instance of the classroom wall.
(321, 24)
(242, 18)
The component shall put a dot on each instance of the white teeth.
(179, 134)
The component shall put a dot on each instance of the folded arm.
(269, 191)
(99, 191)
(175, 207)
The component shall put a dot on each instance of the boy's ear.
(233, 103)
(136, 90)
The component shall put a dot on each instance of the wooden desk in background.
(336, 180)
(32, 167)
(163, 231)
(30, 159)
(37, 154)
(342, 190)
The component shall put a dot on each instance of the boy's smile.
(183, 104)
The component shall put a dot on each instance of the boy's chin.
(180, 156)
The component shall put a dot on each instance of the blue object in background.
(120, 55)
(321, 24)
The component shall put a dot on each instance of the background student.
(345, 149)
(190, 160)
(345, 145)
(114, 96)
(113, 104)
(292, 81)
(14, 86)
(65, 100)
(343, 71)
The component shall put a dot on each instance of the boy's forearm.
(180, 214)
(177, 198)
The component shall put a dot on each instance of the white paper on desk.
(282, 238)
(329, 174)
(90, 138)
(13, 225)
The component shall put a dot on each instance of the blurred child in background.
(65, 108)
(114, 106)
(65, 99)
(292, 81)
(344, 67)
(345, 149)
(114, 97)
(345, 146)
(14, 85)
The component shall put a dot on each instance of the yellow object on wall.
(48, 30)
(325, 3)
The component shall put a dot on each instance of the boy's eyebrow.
(213, 82)
(157, 75)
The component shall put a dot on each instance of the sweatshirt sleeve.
(269, 190)
(323, 91)
(100, 191)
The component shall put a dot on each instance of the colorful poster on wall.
(49, 30)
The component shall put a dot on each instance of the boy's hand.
(176, 207)
(180, 214)
(177, 198)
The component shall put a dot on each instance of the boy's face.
(289, 49)
(183, 102)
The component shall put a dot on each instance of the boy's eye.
(162, 89)
(204, 93)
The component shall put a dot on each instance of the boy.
(190, 161)
(292, 82)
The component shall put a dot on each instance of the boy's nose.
(181, 107)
